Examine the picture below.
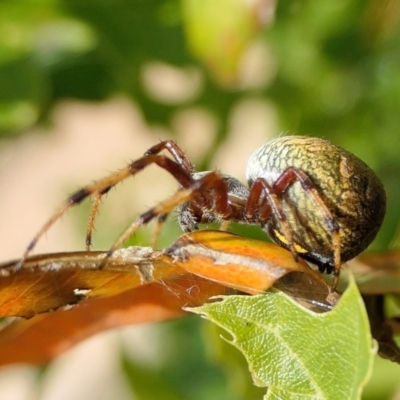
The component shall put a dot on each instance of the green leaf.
(294, 352)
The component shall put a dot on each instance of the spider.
(315, 199)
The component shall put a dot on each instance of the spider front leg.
(178, 169)
(178, 156)
(176, 152)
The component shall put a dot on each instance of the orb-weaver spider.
(315, 199)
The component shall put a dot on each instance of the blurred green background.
(326, 69)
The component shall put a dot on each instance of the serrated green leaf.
(294, 352)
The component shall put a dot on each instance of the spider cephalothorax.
(318, 200)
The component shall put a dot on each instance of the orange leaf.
(246, 264)
(45, 336)
(137, 285)
(47, 282)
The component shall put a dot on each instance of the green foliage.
(336, 71)
(336, 75)
(296, 353)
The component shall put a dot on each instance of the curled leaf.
(248, 265)
(47, 282)
(45, 336)
(137, 285)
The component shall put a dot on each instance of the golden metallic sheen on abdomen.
(350, 189)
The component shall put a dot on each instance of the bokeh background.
(86, 86)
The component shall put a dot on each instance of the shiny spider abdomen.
(352, 192)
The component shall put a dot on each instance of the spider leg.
(176, 152)
(181, 158)
(263, 201)
(178, 155)
(92, 217)
(161, 209)
(201, 190)
(103, 185)
(287, 179)
(156, 233)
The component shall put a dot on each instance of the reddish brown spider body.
(318, 200)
